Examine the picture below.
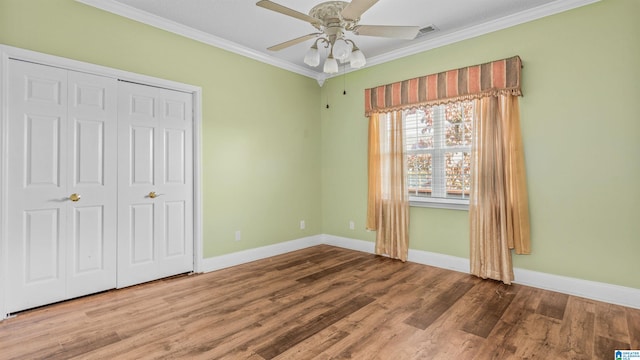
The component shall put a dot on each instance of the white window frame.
(438, 156)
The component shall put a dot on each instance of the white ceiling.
(243, 27)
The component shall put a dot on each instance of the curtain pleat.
(498, 206)
(518, 220)
(373, 202)
(388, 207)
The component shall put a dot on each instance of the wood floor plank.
(611, 322)
(311, 259)
(294, 336)
(314, 346)
(605, 347)
(348, 305)
(483, 320)
(633, 321)
(379, 325)
(155, 342)
(438, 340)
(538, 335)
(502, 345)
(578, 328)
(380, 282)
(553, 305)
(230, 335)
(523, 305)
(323, 288)
(521, 333)
(334, 270)
(431, 310)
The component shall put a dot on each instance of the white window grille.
(438, 154)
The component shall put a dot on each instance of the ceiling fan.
(333, 19)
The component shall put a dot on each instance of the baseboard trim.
(614, 294)
(263, 252)
(610, 293)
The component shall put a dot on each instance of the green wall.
(580, 129)
(274, 155)
(260, 124)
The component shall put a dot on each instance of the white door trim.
(9, 52)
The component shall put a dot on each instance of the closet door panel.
(176, 124)
(88, 239)
(175, 156)
(92, 128)
(155, 193)
(142, 156)
(42, 244)
(62, 184)
(89, 159)
(37, 192)
(42, 151)
(175, 228)
(141, 239)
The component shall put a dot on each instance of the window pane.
(419, 129)
(438, 146)
(458, 118)
(458, 174)
(419, 174)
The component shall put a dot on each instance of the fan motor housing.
(330, 13)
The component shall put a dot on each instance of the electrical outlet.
(238, 236)
(352, 225)
(302, 225)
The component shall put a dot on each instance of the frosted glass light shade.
(312, 57)
(357, 59)
(330, 65)
(341, 50)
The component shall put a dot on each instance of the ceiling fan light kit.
(330, 65)
(312, 57)
(357, 59)
(334, 19)
(342, 49)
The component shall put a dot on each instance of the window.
(438, 153)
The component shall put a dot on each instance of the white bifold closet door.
(62, 184)
(100, 184)
(155, 183)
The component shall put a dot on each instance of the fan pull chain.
(344, 80)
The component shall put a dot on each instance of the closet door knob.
(153, 194)
(74, 197)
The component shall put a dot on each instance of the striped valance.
(490, 79)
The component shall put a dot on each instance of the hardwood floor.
(323, 303)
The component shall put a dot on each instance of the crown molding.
(144, 17)
(442, 39)
(448, 38)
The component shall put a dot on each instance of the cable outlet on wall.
(302, 225)
(352, 225)
(238, 236)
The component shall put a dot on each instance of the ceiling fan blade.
(292, 42)
(396, 32)
(270, 5)
(356, 8)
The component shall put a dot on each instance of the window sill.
(439, 205)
